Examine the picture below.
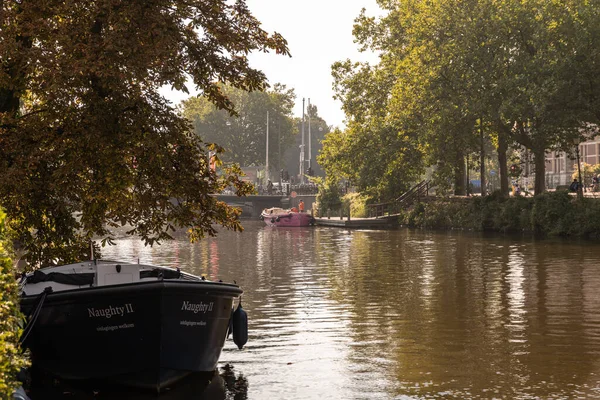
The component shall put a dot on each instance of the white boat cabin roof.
(95, 273)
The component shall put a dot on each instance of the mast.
(302, 147)
(267, 161)
(309, 135)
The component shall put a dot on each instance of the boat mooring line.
(34, 315)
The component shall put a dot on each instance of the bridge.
(382, 214)
(252, 205)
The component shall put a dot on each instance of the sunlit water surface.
(400, 314)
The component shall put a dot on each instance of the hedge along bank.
(550, 214)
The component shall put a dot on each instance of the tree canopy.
(521, 71)
(86, 141)
(243, 135)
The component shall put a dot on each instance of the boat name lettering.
(197, 307)
(192, 323)
(110, 311)
(114, 327)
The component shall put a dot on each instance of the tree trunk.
(482, 166)
(15, 68)
(459, 176)
(9, 101)
(502, 163)
(540, 171)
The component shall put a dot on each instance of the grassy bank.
(551, 214)
(11, 359)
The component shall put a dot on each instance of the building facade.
(560, 165)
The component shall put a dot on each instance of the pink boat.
(276, 216)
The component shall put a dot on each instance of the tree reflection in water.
(236, 386)
(223, 385)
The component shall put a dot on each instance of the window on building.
(591, 154)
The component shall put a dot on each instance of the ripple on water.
(404, 314)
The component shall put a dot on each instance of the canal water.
(399, 314)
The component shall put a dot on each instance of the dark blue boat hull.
(148, 334)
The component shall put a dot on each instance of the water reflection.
(219, 385)
(403, 314)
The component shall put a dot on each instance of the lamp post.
(576, 141)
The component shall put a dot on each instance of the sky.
(319, 32)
